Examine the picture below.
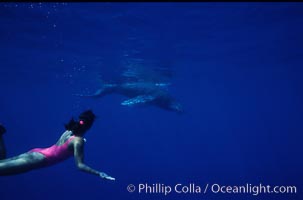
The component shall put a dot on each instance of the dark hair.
(86, 120)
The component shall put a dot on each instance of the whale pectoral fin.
(138, 100)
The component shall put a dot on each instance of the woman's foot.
(2, 129)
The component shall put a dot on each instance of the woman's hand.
(104, 175)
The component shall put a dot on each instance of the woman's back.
(59, 151)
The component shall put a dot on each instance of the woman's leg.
(18, 164)
(22, 163)
(2, 146)
(2, 149)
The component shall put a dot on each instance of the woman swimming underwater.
(70, 143)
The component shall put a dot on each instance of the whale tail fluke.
(105, 89)
(98, 93)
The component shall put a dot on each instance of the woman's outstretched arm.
(79, 159)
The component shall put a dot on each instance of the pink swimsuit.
(55, 153)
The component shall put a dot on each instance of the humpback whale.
(140, 90)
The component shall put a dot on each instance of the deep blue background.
(237, 71)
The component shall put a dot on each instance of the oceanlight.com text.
(253, 189)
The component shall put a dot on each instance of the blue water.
(237, 70)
